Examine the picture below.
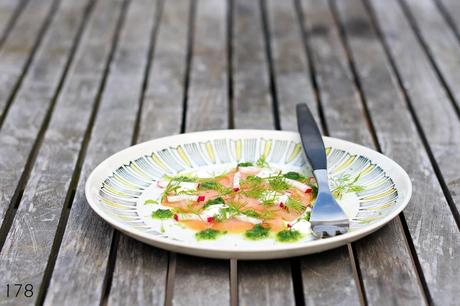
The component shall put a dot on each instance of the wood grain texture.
(207, 102)
(451, 11)
(429, 220)
(384, 257)
(430, 102)
(9, 10)
(32, 102)
(165, 90)
(290, 63)
(439, 39)
(19, 45)
(197, 280)
(293, 86)
(444, 50)
(161, 116)
(251, 86)
(28, 246)
(267, 282)
(113, 129)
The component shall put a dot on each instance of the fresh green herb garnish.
(215, 201)
(209, 185)
(150, 202)
(294, 176)
(278, 184)
(307, 216)
(162, 214)
(288, 236)
(181, 178)
(253, 186)
(344, 184)
(246, 164)
(261, 162)
(208, 234)
(258, 232)
(250, 213)
(294, 205)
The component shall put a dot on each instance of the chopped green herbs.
(215, 201)
(245, 164)
(209, 185)
(261, 162)
(294, 205)
(150, 202)
(288, 236)
(162, 214)
(307, 216)
(277, 183)
(251, 213)
(344, 184)
(208, 234)
(258, 232)
(294, 176)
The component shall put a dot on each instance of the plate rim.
(220, 252)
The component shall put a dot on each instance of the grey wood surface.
(163, 98)
(443, 50)
(206, 282)
(34, 99)
(253, 108)
(9, 11)
(18, 48)
(293, 85)
(113, 129)
(385, 256)
(27, 250)
(81, 80)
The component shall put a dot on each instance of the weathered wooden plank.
(343, 98)
(83, 258)
(9, 11)
(268, 282)
(161, 116)
(251, 86)
(18, 48)
(451, 11)
(29, 244)
(290, 63)
(35, 97)
(206, 281)
(293, 86)
(431, 225)
(435, 112)
(440, 41)
(207, 106)
(444, 49)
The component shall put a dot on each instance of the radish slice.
(236, 181)
(282, 200)
(298, 185)
(185, 197)
(252, 170)
(182, 185)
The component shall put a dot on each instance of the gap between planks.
(17, 196)
(362, 98)
(77, 170)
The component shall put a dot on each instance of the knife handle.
(310, 135)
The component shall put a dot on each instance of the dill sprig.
(262, 162)
(294, 205)
(277, 183)
(344, 184)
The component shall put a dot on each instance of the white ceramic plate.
(118, 188)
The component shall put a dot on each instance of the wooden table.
(81, 80)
